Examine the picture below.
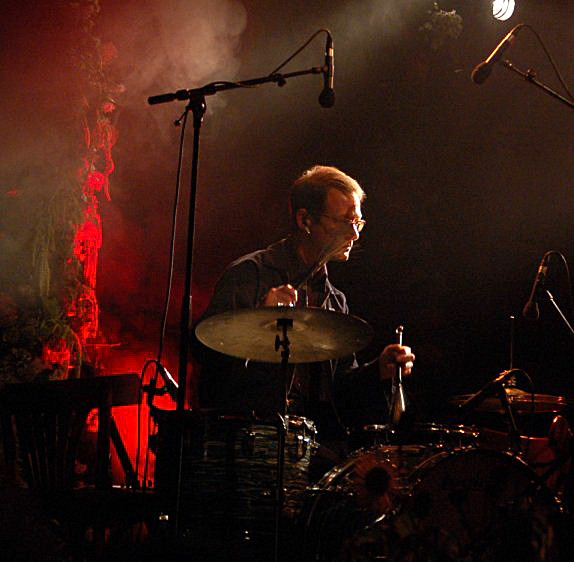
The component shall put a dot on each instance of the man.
(326, 216)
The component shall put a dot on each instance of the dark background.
(468, 186)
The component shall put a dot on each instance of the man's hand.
(391, 357)
(284, 295)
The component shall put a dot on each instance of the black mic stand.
(530, 76)
(197, 105)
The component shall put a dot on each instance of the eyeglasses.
(359, 224)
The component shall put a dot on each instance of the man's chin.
(342, 257)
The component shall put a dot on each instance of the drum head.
(471, 504)
(477, 505)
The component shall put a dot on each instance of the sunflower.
(374, 483)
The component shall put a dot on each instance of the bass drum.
(400, 503)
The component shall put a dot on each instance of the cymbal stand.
(283, 324)
(398, 399)
(513, 433)
(511, 381)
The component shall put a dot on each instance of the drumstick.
(398, 402)
(399, 331)
(298, 282)
(328, 251)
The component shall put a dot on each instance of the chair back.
(42, 424)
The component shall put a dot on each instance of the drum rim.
(460, 428)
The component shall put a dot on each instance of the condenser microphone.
(327, 96)
(171, 386)
(530, 310)
(482, 70)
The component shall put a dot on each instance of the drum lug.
(248, 444)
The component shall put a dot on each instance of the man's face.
(333, 228)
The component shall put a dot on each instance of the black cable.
(183, 121)
(569, 284)
(548, 255)
(322, 30)
(549, 56)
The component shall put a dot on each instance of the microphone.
(487, 389)
(327, 96)
(170, 385)
(530, 310)
(482, 70)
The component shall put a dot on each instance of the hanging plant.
(46, 327)
(441, 26)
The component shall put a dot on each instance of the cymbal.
(316, 334)
(522, 402)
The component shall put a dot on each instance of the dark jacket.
(260, 387)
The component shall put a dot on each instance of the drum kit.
(417, 491)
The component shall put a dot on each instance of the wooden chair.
(42, 425)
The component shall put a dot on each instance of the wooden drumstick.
(398, 402)
(399, 331)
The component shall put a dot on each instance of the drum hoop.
(427, 464)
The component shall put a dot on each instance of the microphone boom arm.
(214, 87)
(530, 76)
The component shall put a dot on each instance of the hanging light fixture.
(502, 9)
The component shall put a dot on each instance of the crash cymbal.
(315, 335)
(521, 401)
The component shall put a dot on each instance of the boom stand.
(197, 105)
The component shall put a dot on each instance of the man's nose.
(355, 233)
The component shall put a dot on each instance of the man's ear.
(303, 219)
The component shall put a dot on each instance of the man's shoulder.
(252, 257)
(270, 256)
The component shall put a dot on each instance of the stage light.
(502, 9)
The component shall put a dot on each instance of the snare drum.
(300, 446)
(406, 503)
